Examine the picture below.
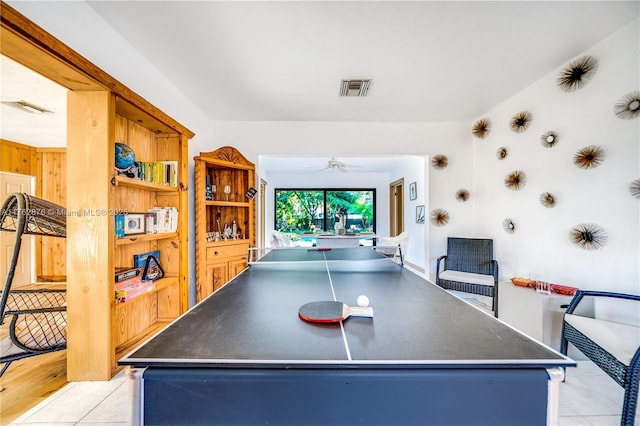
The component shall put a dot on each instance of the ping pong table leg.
(556, 376)
(136, 395)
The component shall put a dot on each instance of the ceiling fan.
(335, 164)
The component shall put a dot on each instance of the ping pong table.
(244, 357)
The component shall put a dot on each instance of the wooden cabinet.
(101, 329)
(220, 257)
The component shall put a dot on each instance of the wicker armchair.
(37, 317)
(469, 267)
(613, 347)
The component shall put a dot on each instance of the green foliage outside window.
(314, 210)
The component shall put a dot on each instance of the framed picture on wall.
(412, 191)
(420, 214)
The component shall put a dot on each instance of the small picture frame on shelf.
(419, 214)
(413, 194)
(134, 223)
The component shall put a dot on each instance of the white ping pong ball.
(362, 300)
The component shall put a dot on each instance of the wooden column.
(90, 353)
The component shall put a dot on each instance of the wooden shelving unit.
(100, 111)
(105, 329)
(219, 261)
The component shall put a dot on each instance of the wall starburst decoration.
(501, 153)
(549, 139)
(520, 122)
(439, 217)
(515, 180)
(628, 106)
(547, 199)
(577, 74)
(589, 157)
(634, 188)
(589, 236)
(439, 161)
(481, 128)
(462, 195)
(508, 226)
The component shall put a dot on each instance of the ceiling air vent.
(26, 106)
(354, 87)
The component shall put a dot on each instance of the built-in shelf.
(159, 284)
(132, 239)
(142, 184)
(227, 203)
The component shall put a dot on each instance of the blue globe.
(125, 157)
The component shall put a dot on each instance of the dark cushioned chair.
(469, 267)
(612, 346)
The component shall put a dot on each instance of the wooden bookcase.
(99, 110)
(219, 261)
(103, 330)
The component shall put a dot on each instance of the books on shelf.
(134, 290)
(161, 220)
(119, 225)
(160, 172)
(125, 273)
(131, 282)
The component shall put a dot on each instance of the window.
(299, 211)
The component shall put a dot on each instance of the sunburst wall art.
(547, 199)
(515, 180)
(439, 161)
(628, 106)
(589, 236)
(462, 195)
(549, 139)
(520, 122)
(589, 157)
(439, 217)
(508, 226)
(577, 74)
(502, 153)
(481, 128)
(634, 188)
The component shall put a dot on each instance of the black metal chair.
(469, 267)
(38, 317)
(627, 376)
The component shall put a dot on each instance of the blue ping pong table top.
(253, 321)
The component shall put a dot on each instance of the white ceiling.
(18, 83)
(320, 165)
(429, 60)
(265, 60)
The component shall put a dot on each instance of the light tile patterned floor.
(587, 398)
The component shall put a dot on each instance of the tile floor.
(587, 397)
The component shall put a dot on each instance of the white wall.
(541, 246)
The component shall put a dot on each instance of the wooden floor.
(29, 381)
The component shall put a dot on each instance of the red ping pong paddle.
(330, 311)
